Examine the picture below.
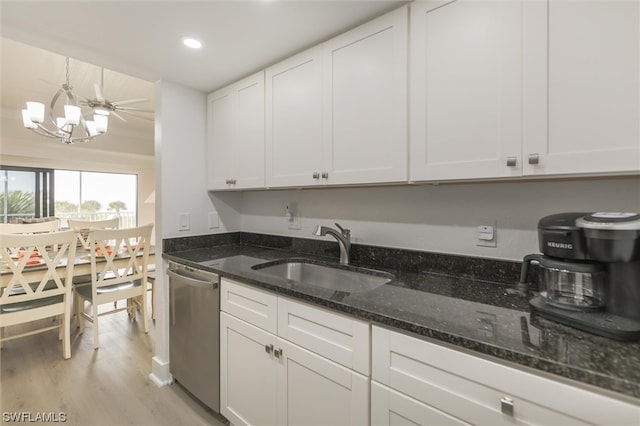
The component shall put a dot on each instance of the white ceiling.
(138, 42)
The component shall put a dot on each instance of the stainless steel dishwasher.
(194, 332)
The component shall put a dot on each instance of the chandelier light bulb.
(36, 111)
(91, 128)
(101, 122)
(26, 121)
(63, 126)
(100, 111)
(72, 114)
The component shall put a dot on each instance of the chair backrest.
(107, 244)
(82, 227)
(30, 228)
(50, 275)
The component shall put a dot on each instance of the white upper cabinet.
(365, 102)
(581, 87)
(236, 135)
(337, 113)
(294, 120)
(465, 89)
(512, 88)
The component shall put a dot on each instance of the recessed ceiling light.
(191, 42)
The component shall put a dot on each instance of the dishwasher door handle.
(189, 280)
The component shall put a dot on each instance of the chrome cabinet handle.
(316, 175)
(507, 406)
(511, 161)
(277, 352)
(230, 181)
(268, 348)
(534, 159)
(325, 175)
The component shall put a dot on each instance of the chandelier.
(72, 127)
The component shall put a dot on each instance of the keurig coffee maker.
(590, 272)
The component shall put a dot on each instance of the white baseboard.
(160, 374)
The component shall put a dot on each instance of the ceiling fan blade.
(138, 115)
(118, 115)
(98, 90)
(129, 101)
(127, 109)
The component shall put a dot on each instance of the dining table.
(81, 265)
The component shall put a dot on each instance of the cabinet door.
(220, 108)
(582, 95)
(248, 373)
(248, 153)
(294, 120)
(365, 106)
(466, 84)
(236, 135)
(315, 391)
(392, 408)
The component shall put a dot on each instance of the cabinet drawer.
(389, 407)
(473, 389)
(254, 306)
(333, 336)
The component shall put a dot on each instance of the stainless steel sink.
(326, 275)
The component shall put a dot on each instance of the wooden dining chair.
(37, 285)
(30, 228)
(82, 227)
(119, 263)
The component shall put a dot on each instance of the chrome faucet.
(343, 237)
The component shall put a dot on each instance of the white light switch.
(183, 221)
(214, 220)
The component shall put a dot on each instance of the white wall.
(181, 147)
(440, 218)
(181, 178)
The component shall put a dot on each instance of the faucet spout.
(343, 236)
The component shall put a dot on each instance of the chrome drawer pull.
(511, 161)
(316, 175)
(534, 159)
(268, 348)
(506, 406)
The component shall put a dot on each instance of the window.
(96, 196)
(26, 193)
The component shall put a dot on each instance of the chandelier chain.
(68, 81)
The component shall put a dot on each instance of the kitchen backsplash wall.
(437, 218)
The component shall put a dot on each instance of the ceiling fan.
(103, 106)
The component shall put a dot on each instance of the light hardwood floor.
(108, 386)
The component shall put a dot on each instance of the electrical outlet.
(294, 222)
(183, 221)
(486, 235)
(292, 216)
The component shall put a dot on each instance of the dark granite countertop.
(476, 315)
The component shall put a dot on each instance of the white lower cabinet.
(248, 374)
(315, 391)
(389, 407)
(267, 380)
(415, 381)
